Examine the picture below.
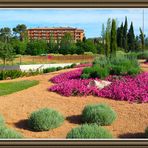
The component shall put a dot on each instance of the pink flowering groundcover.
(127, 88)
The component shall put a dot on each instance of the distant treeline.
(15, 41)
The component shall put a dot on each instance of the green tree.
(137, 44)
(142, 38)
(51, 44)
(120, 36)
(96, 41)
(146, 42)
(103, 35)
(113, 43)
(67, 43)
(89, 46)
(19, 46)
(21, 30)
(84, 39)
(57, 46)
(5, 34)
(108, 37)
(107, 47)
(131, 38)
(124, 44)
(22, 46)
(73, 49)
(6, 52)
(37, 47)
(108, 28)
(100, 48)
(80, 47)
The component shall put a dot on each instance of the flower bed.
(133, 89)
(74, 74)
(128, 88)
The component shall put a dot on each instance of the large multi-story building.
(57, 33)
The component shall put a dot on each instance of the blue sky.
(88, 19)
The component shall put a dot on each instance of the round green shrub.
(85, 76)
(101, 114)
(73, 65)
(59, 68)
(87, 70)
(99, 72)
(9, 133)
(45, 119)
(95, 72)
(89, 132)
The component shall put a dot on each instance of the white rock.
(99, 84)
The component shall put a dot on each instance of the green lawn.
(11, 87)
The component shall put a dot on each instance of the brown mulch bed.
(131, 122)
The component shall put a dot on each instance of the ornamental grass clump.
(101, 61)
(101, 114)
(121, 65)
(11, 74)
(127, 65)
(45, 119)
(143, 54)
(9, 133)
(6, 132)
(92, 131)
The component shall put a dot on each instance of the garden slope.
(131, 121)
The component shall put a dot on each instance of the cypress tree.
(137, 45)
(107, 45)
(107, 37)
(103, 35)
(124, 44)
(142, 39)
(108, 28)
(120, 36)
(113, 45)
(131, 38)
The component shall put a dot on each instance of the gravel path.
(131, 122)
